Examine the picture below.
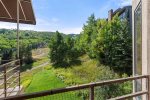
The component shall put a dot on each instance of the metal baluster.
(5, 81)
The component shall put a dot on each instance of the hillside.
(29, 40)
(84, 72)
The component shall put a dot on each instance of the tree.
(110, 42)
(58, 50)
(72, 52)
(113, 45)
(29, 40)
(25, 54)
(63, 52)
(89, 34)
(6, 49)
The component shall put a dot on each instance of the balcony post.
(18, 48)
(92, 93)
(18, 29)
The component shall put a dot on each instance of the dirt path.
(44, 64)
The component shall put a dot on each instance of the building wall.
(148, 34)
(144, 34)
(130, 18)
(145, 38)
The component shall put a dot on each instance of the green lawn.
(46, 80)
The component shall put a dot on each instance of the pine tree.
(58, 50)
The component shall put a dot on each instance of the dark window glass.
(123, 16)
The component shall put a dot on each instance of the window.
(138, 39)
(138, 46)
(123, 16)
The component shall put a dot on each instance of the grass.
(88, 71)
(46, 80)
(27, 74)
(40, 61)
(26, 77)
(79, 74)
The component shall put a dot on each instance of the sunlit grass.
(46, 80)
(26, 77)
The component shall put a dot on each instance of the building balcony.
(10, 87)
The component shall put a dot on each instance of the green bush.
(90, 71)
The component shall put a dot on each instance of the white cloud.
(75, 30)
(43, 25)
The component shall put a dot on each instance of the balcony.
(10, 72)
(10, 84)
(9, 78)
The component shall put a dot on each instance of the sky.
(67, 16)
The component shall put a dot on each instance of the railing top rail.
(9, 63)
(130, 95)
(7, 60)
(74, 88)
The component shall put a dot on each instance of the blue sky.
(68, 16)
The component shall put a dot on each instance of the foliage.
(88, 35)
(62, 52)
(113, 45)
(110, 42)
(6, 51)
(29, 40)
(90, 71)
(72, 52)
(58, 50)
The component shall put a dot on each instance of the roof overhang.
(8, 11)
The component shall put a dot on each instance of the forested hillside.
(29, 40)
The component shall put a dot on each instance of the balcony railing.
(89, 87)
(9, 78)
